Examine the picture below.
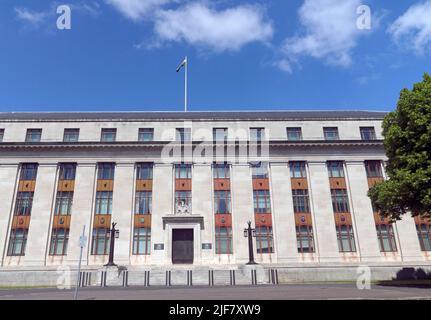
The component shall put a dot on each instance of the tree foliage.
(407, 141)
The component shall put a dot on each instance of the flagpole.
(185, 85)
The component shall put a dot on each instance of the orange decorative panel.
(299, 184)
(337, 183)
(102, 221)
(343, 219)
(183, 184)
(21, 222)
(260, 184)
(105, 185)
(223, 220)
(66, 185)
(61, 222)
(142, 221)
(380, 220)
(419, 220)
(303, 219)
(144, 185)
(221, 184)
(373, 181)
(263, 219)
(27, 185)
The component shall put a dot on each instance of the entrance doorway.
(182, 246)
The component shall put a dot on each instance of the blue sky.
(121, 55)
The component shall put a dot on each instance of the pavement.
(280, 292)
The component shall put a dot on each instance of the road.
(281, 292)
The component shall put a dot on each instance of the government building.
(182, 187)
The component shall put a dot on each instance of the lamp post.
(250, 233)
(114, 233)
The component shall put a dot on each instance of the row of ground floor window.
(223, 240)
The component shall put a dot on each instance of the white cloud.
(137, 9)
(330, 33)
(413, 28)
(33, 17)
(218, 30)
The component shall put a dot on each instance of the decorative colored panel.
(221, 184)
(374, 180)
(21, 222)
(337, 183)
(260, 184)
(27, 185)
(66, 185)
(105, 185)
(223, 220)
(303, 219)
(102, 221)
(299, 184)
(419, 220)
(144, 185)
(380, 220)
(183, 184)
(343, 219)
(263, 219)
(142, 221)
(61, 222)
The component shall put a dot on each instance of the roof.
(195, 116)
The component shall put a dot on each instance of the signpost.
(250, 233)
(82, 244)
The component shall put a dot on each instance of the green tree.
(407, 141)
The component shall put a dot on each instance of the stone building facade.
(182, 187)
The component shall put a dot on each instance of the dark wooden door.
(182, 246)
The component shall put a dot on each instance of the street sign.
(82, 241)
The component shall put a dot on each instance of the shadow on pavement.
(409, 277)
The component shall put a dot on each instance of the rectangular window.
(345, 238)
(100, 243)
(368, 133)
(294, 134)
(259, 170)
(103, 202)
(108, 135)
(146, 134)
(63, 203)
(335, 169)
(386, 237)
(105, 171)
(221, 171)
(257, 134)
(59, 242)
(33, 135)
(223, 240)
(264, 240)
(301, 202)
(297, 169)
(183, 171)
(1, 135)
(141, 241)
(222, 202)
(71, 135)
(28, 171)
(373, 169)
(262, 201)
(331, 133)
(67, 171)
(220, 134)
(17, 242)
(424, 235)
(183, 134)
(144, 171)
(23, 203)
(183, 198)
(304, 238)
(340, 200)
(143, 204)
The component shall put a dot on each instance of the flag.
(183, 64)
